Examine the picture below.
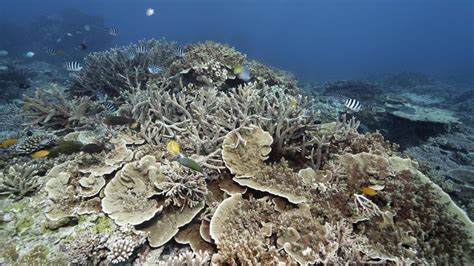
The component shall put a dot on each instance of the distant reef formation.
(94, 180)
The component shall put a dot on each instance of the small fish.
(109, 107)
(173, 147)
(179, 52)
(113, 31)
(353, 104)
(87, 27)
(131, 54)
(83, 45)
(39, 154)
(7, 143)
(29, 54)
(189, 163)
(368, 191)
(73, 66)
(154, 69)
(112, 120)
(149, 12)
(69, 34)
(293, 103)
(3, 68)
(59, 40)
(242, 72)
(141, 49)
(93, 148)
(51, 51)
(3, 53)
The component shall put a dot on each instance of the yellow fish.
(173, 147)
(7, 143)
(237, 69)
(368, 191)
(293, 103)
(39, 154)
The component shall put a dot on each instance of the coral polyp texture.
(259, 177)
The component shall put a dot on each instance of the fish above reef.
(39, 154)
(150, 11)
(115, 120)
(3, 68)
(368, 191)
(93, 148)
(141, 49)
(69, 34)
(189, 163)
(179, 52)
(154, 69)
(53, 51)
(73, 66)
(66, 147)
(87, 27)
(83, 45)
(353, 105)
(29, 54)
(59, 40)
(113, 31)
(3, 53)
(7, 143)
(173, 147)
(242, 72)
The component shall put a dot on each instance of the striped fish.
(51, 51)
(141, 49)
(154, 69)
(179, 52)
(353, 104)
(113, 31)
(73, 66)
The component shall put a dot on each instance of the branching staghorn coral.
(119, 69)
(51, 108)
(19, 181)
(181, 187)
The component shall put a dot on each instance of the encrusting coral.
(276, 184)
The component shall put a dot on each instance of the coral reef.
(274, 185)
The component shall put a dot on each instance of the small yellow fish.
(293, 103)
(368, 191)
(237, 69)
(134, 125)
(39, 154)
(173, 147)
(7, 143)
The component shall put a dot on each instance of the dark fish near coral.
(66, 147)
(353, 104)
(73, 66)
(112, 120)
(83, 45)
(51, 51)
(113, 31)
(93, 148)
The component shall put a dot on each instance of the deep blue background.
(315, 39)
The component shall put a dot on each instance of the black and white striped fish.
(51, 51)
(353, 104)
(154, 69)
(73, 66)
(179, 52)
(113, 31)
(141, 49)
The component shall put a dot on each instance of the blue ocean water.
(315, 39)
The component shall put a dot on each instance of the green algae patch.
(23, 224)
(36, 256)
(102, 225)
